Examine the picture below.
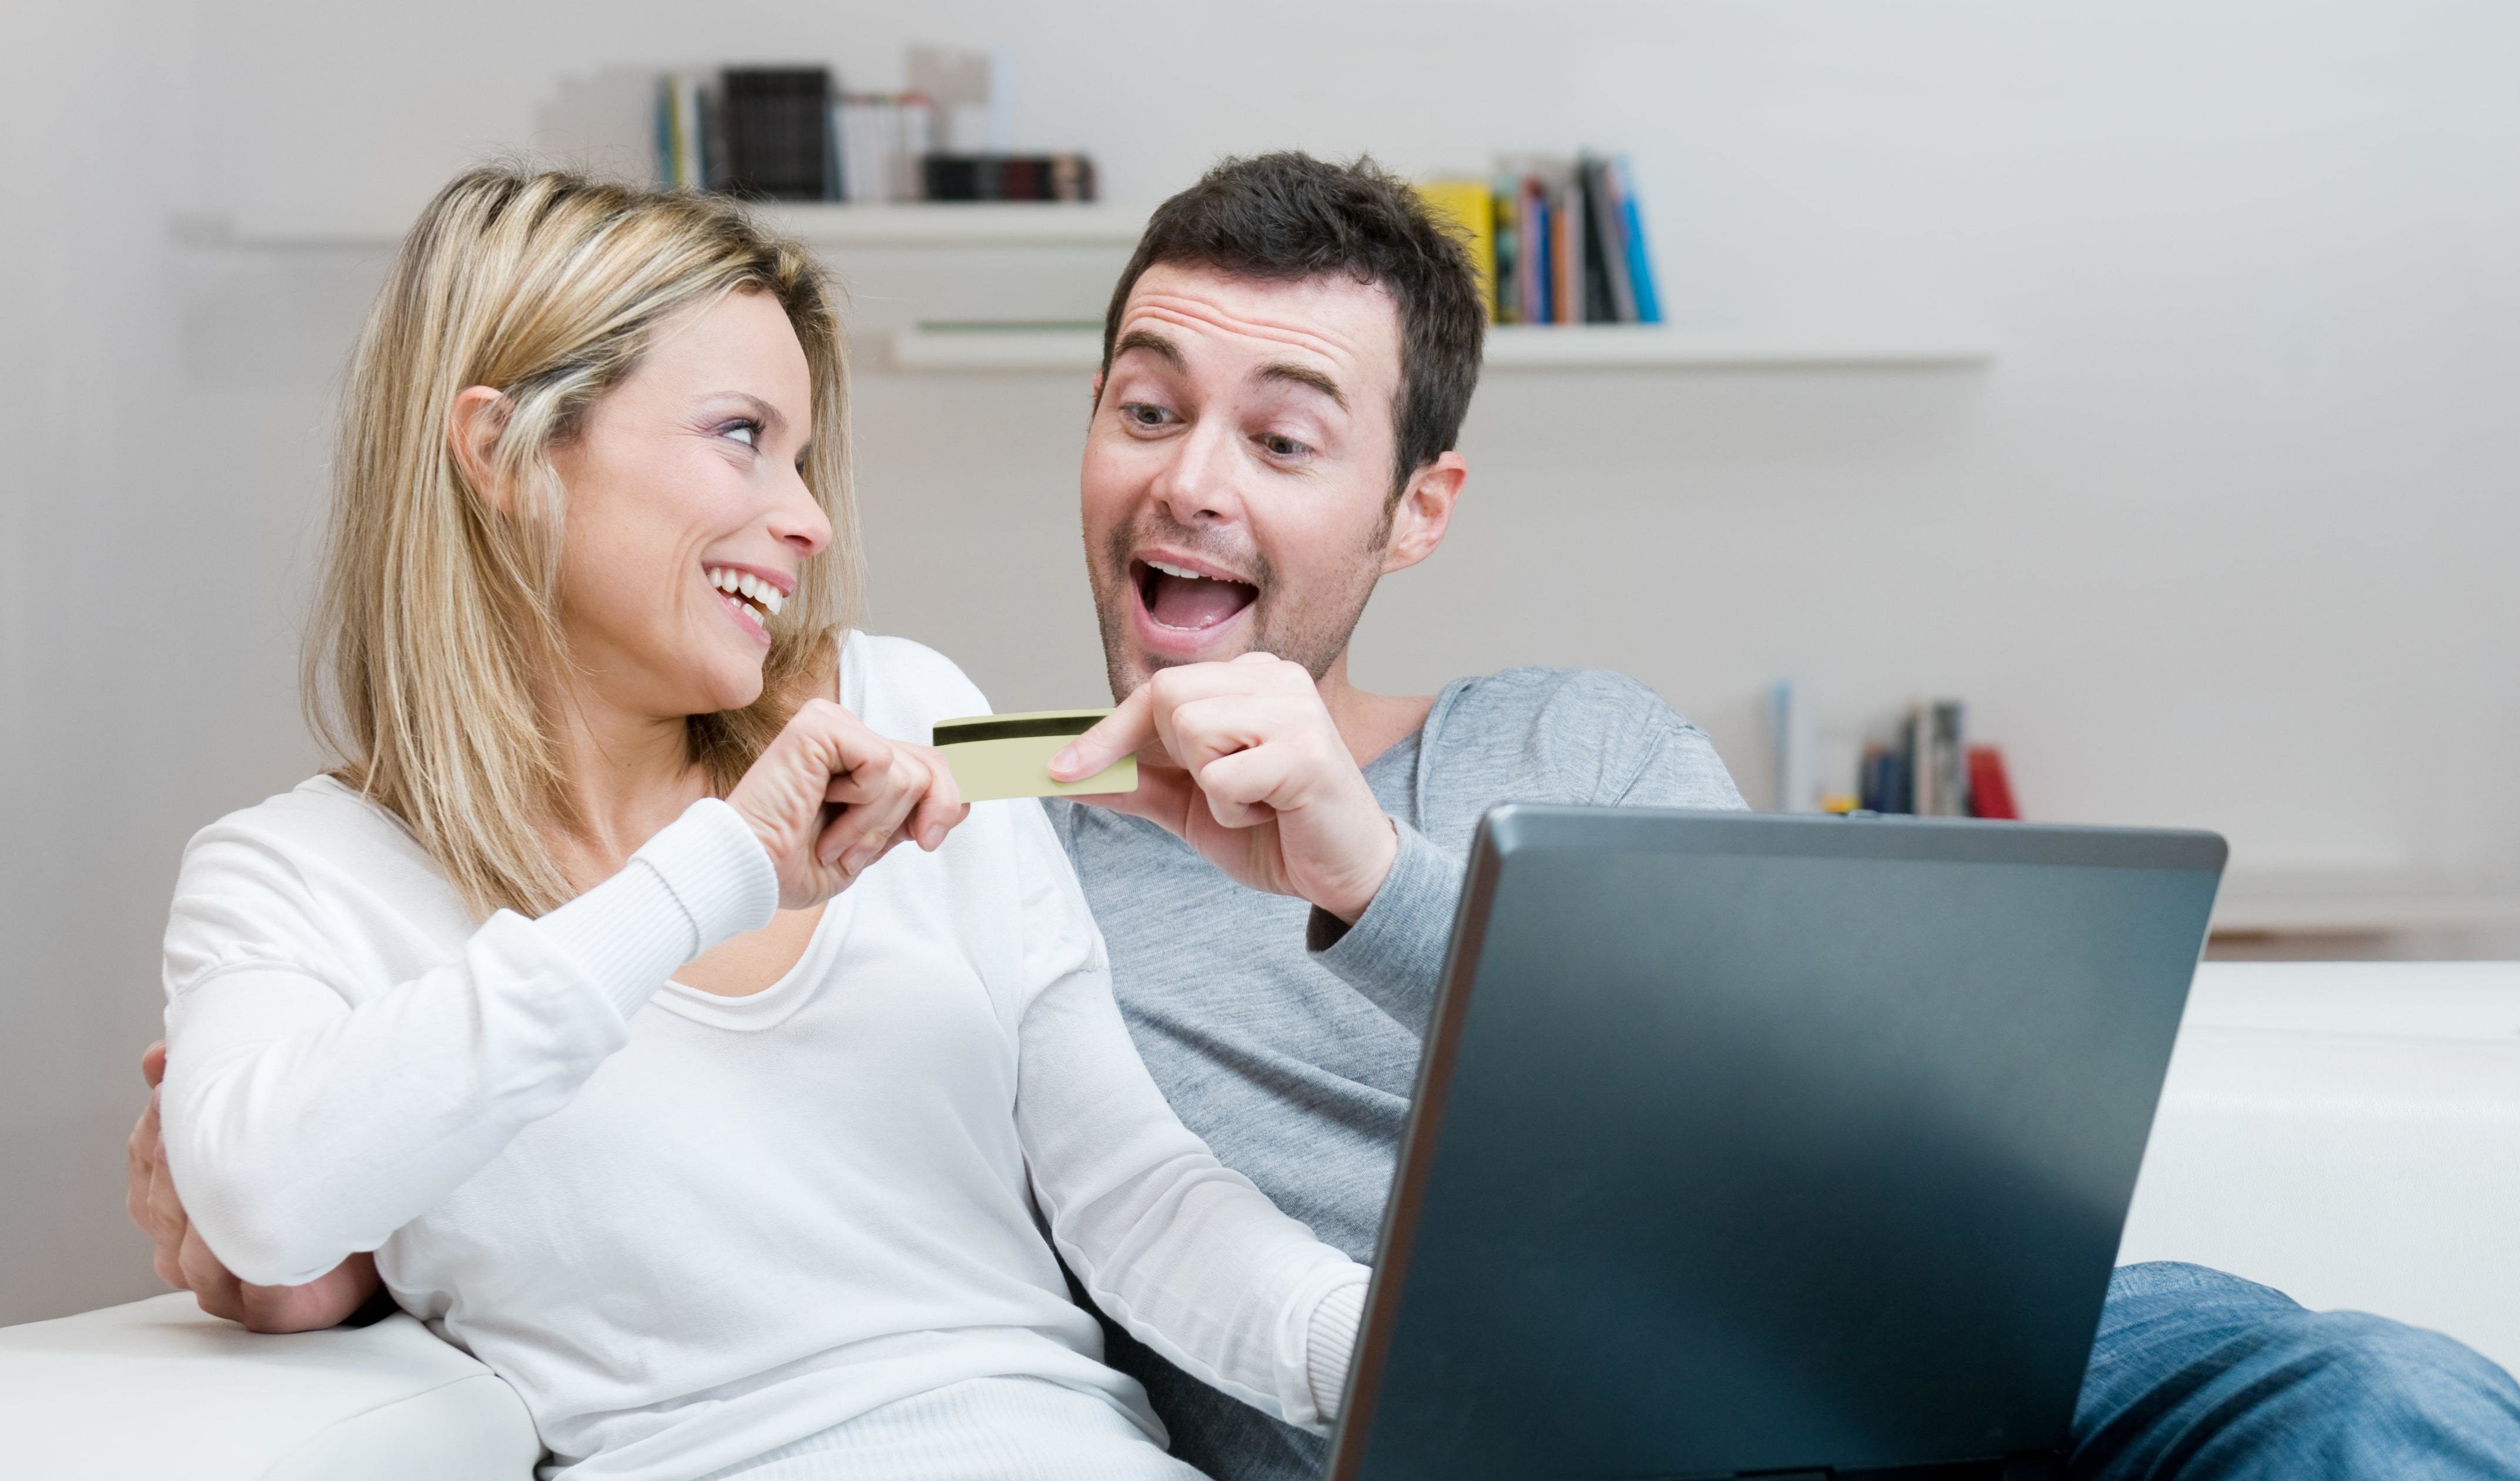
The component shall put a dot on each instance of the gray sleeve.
(1679, 768)
(1594, 738)
(1395, 951)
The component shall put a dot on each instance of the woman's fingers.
(941, 807)
(830, 797)
(218, 1290)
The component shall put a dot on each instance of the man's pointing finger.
(1121, 733)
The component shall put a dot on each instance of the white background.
(2222, 537)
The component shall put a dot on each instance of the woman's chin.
(729, 684)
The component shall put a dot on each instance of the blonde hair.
(437, 622)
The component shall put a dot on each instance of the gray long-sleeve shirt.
(1295, 1064)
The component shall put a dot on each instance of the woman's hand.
(185, 1262)
(829, 796)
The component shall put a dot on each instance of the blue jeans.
(2204, 1376)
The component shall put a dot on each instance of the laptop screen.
(1757, 1143)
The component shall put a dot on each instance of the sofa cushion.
(2348, 1133)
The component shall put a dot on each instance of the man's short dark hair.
(1290, 217)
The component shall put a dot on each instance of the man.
(1287, 361)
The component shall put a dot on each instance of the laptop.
(1774, 1147)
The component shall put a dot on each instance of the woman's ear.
(473, 426)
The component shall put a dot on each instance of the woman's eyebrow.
(762, 411)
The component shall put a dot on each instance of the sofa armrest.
(158, 1389)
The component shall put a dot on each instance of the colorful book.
(1632, 241)
(1469, 207)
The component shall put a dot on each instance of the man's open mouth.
(1189, 599)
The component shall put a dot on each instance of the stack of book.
(1929, 768)
(789, 134)
(1922, 764)
(1556, 241)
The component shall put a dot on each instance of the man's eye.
(1143, 415)
(1283, 447)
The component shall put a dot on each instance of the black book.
(1007, 177)
(778, 131)
(1600, 305)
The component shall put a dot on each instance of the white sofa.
(2349, 1133)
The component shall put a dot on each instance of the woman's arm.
(301, 1129)
(1184, 1252)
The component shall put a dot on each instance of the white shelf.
(2360, 903)
(978, 223)
(1592, 347)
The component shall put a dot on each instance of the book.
(683, 128)
(1790, 733)
(1990, 788)
(777, 129)
(1469, 206)
(1598, 305)
(1632, 241)
(1946, 760)
(1007, 177)
(1507, 270)
(1609, 230)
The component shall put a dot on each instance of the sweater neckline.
(773, 1005)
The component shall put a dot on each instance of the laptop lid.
(1754, 1143)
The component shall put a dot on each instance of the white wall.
(2222, 538)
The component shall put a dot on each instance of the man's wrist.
(1353, 906)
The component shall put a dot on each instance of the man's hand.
(1242, 761)
(185, 1262)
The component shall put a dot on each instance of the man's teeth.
(1175, 570)
(750, 587)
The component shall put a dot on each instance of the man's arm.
(1242, 761)
(185, 1262)
(1598, 738)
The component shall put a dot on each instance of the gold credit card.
(996, 756)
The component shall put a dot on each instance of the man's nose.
(1197, 486)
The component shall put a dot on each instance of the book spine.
(1631, 237)
(1609, 229)
(1543, 270)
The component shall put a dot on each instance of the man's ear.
(1425, 511)
(1095, 402)
(473, 426)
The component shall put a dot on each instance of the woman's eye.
(747, 432)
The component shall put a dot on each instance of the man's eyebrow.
(1152, 343)
(1304, 375)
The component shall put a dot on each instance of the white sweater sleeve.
(307, 1118)
(1184, 1252)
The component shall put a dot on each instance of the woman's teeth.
(752, 588)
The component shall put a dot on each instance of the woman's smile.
(750, 596)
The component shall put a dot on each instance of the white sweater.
(692, 1229)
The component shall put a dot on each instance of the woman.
(591, 992)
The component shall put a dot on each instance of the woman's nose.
(799, 520)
